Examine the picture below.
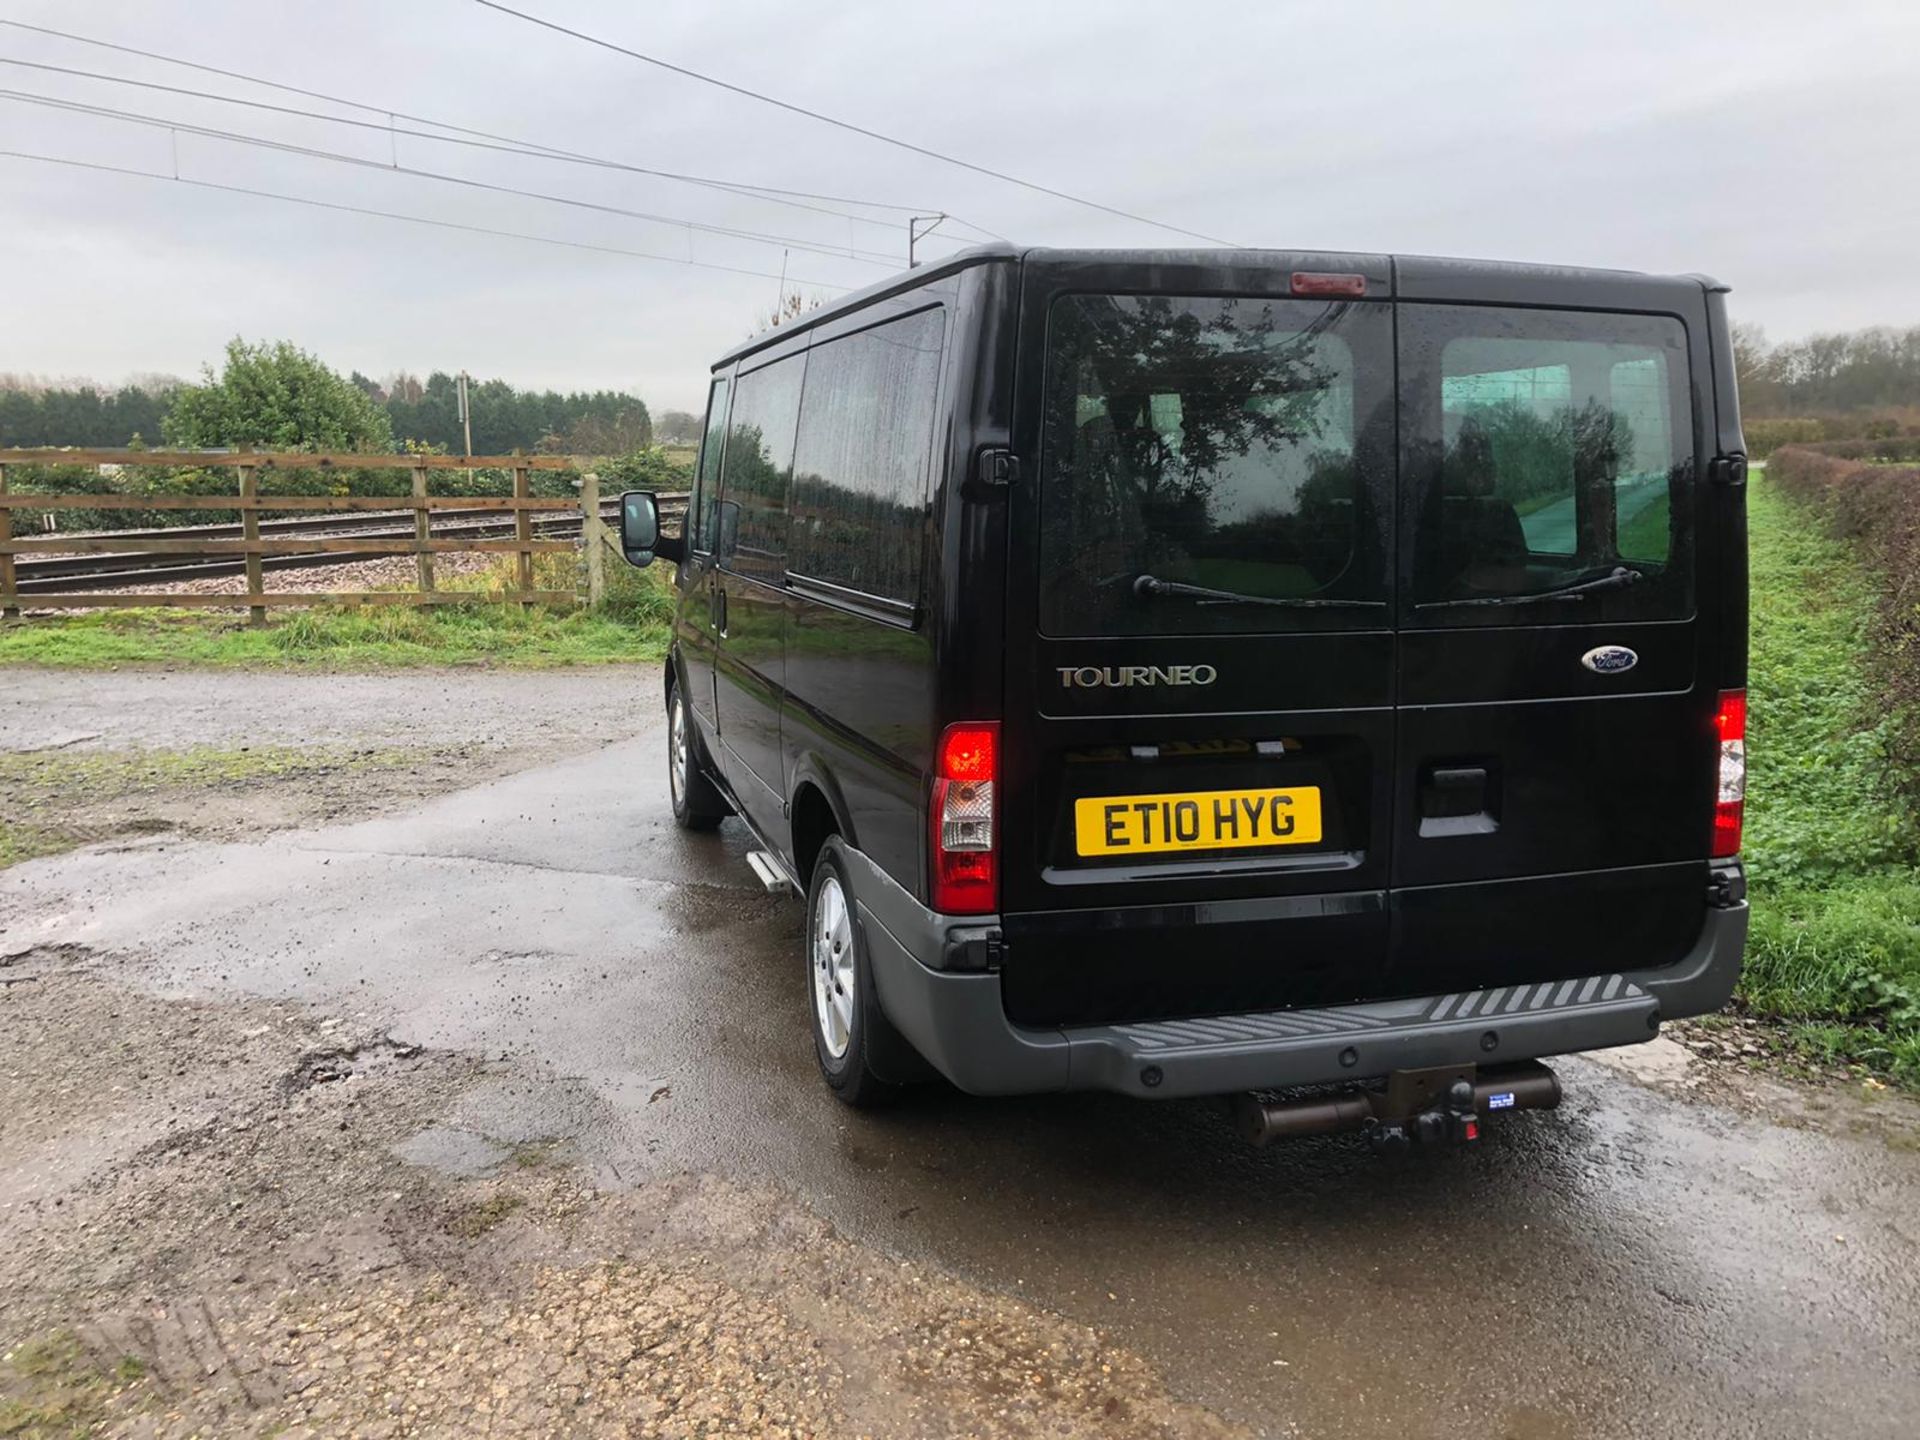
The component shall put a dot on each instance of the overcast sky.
(1770, 143)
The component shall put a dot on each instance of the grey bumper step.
(1302, 1047)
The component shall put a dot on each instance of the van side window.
(752, 524)
(1560, 450)
(860, 467)
(706, 479)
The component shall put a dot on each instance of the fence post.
(250, 528)
(422, 531)
(590, 539)
(8, 579)
(523, 532)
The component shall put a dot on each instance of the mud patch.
(60, 800)
(224, 1218)
(1745, 1065)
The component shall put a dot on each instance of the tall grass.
(1831, 848)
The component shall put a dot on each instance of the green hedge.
(1876, 509)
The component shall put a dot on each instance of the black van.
(1205, 672)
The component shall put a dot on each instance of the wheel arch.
(670, 675)
(817, 810)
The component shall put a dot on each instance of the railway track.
(69, 574)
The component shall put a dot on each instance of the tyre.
(848, 1025)
(697, 802)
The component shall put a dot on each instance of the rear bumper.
(958, 1022)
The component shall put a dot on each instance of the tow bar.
(1442, 1105)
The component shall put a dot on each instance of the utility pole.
(466, 413)
(915, 234)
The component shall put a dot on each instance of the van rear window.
(1544, 451)
(1213, 464)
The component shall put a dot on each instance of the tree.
(676, 427)
(791, 307)
(81, 413)
(275, 397)
(618, 431)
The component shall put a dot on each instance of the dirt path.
(497, 1111)
(554, 710)
(234, 1216)
(241, 1218)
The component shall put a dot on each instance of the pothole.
(342, 1062)
(517, 957)
(44, 957)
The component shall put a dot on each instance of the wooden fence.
(251, 505)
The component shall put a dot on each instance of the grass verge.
(1832, 855)
(631, 627)
(54, 799)
(50, 1387)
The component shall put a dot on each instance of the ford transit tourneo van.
(1310, 677)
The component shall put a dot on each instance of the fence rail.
(217, 546)
(132, 559)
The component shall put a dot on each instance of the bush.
(1763, 437)
(649, 469)
(1881, 449)
(1877, 509)
(275, 397)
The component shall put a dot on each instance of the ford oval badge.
(1609, 659)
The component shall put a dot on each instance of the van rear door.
(1557, 702)
(1200, 652)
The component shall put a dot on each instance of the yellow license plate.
(1197, 820)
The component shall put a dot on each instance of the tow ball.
(1445, 1105)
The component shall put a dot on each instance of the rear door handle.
(719, 610)
(1457, 799)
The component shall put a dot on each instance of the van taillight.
(966, 858)
(1730, 802)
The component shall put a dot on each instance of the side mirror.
(639, 526)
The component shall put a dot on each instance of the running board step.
(770, 873)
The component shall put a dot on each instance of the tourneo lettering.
(1211, 820)
(1093, 677)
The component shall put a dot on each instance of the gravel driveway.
(492, 1106)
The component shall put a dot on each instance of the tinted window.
(753, 520)
(706, 482)
(860, 467)
(1230, 445)
(1546, 449)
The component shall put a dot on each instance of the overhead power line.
(848, 125)
(524, 149)
(865, 257)
(775, 194)
(412, 219)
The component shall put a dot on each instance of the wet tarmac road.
(1630, 1265)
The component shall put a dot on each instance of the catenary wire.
(523, 149)
(391, 113)
(412, 219)
(848, 125)
(865, 257)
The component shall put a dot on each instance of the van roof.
(1427, 276)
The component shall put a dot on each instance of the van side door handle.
(718, 609)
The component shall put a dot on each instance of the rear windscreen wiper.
(1148, 587)
(1618, 578)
